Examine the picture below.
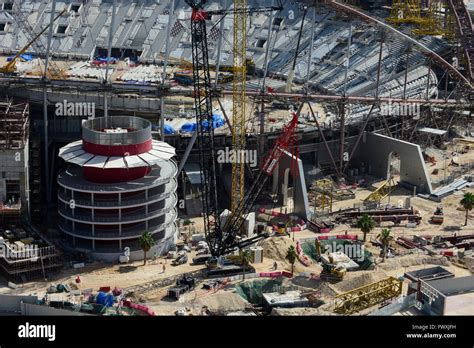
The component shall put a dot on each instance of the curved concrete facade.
(101, 215)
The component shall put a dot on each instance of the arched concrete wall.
(375, 150)
(281, 175)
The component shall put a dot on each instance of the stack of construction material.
(143, 73)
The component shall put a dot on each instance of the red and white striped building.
(119, 182)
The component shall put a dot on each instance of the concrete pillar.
(284, 187)
(275, 178)
(92, 198)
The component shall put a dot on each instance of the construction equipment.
(183, 285)
(367, 296)
(333, 272)
(180, 259)
(438, 216)
(429, 20)
(223, 239)
(10, 67)
(466, 33)
(291, 74)
(381, 192)
(239, 102)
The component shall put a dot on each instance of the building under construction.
(14, 156)
(245, 120)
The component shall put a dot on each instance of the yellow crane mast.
(238, 117)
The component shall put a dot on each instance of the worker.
(275, 266)
(164, 268)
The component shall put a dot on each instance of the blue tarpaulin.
(27, 57)
(217, 121)
(105, 299)
(188, 127)
(169, 129)
(104, 60)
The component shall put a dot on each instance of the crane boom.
(233, 225)
(10, 66)
(222, 239)
(238, 99)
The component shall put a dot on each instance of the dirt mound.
(354, 280)
(276, 248)
(222, 302)
(321, 289)
(412, 260)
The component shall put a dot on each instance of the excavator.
(10, 67)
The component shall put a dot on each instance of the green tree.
(146, 243)
(366, 224)
(291, 256)
(385, 238)
(468, 203)
(245, 257)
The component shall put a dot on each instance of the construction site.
(236, 158)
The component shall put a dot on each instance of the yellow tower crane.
(429, 20)
(239, 116)
(10, 67)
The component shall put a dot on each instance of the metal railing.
(92, 130)
(127, 217)
(124, 201)
(134, 231)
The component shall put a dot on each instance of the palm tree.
(146, 243)
(385, 238)
(291, 256)
(366, 224)
(468, 203)
(245, 257)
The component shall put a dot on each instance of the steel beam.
(324, 140)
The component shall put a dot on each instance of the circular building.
(119, 183)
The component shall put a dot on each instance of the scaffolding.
(429, 20)
(381, 192)
(13, 124)
(367, 296)
(27, 261)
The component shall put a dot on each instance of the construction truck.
(438, 216)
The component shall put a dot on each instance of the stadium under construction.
(243, 131)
